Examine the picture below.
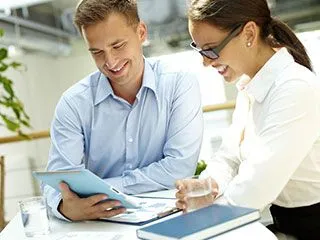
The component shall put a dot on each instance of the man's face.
(116, 48)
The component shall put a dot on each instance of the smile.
(118, 69)
(222, 69)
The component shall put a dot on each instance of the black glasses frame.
(213, 53)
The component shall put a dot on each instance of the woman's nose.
(207, 61)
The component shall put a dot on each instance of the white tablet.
(85, 184)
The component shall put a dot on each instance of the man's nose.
(110, 61)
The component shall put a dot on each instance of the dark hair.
(90, 12)
(226, 14)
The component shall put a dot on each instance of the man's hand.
(185, 186)
(77, 209)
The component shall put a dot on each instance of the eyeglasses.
(213, 53)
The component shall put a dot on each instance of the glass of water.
(34, 216)
(199, 193)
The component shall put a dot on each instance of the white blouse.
(271, 153)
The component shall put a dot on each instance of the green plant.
(201, 165)
(12, 113)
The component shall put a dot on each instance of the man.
(136, 123)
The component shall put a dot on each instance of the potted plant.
(12, 113)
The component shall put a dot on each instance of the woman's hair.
(90, 12)
(226, 14)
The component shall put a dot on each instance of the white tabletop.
(14, 230)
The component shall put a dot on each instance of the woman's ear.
(250, 34)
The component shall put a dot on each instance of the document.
(91, 235)
(151, 209)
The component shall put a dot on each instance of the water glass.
(34, 216)
(199, 193)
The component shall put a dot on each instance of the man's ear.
(142, 31)
(250, 34)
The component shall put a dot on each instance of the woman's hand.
(195, 193)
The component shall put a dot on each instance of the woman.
(271, 153)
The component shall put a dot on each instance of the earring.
(248, 44)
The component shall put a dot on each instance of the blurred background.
(40, 35)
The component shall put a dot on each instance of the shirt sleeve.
(223, 165)
(67, 148)
(290, 128)
(181, 149)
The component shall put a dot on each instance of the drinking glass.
(199, 193)
(34, 216)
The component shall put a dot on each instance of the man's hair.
(89, 12)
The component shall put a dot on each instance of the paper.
(91, 235)
(150, 209)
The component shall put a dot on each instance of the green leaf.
(17, 116)
(24, 135)
(6, 104)
(11, 124)
(3, 53)
(17, 113)
(15, 65)
(3, 67)
(7, 85)
(26, 123)
(201, 165)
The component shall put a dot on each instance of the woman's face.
(231, 61)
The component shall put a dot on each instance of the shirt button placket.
(130, 142)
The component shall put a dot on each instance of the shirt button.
(130, 140)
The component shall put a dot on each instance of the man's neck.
(127, 92)
(130, 90)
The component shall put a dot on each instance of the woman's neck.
(261, 57)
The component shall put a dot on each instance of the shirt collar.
(261, 83)
(104, 88)
(148, 79)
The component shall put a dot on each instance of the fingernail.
(105, 197)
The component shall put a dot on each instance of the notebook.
(85, 183)
(200, 224)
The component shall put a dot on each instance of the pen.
(168, 212)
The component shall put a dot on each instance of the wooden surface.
(220, 106)
(32, 136)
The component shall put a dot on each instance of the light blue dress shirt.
(136, 148)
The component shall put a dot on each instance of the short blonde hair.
(90, 12)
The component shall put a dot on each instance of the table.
(14, 230)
